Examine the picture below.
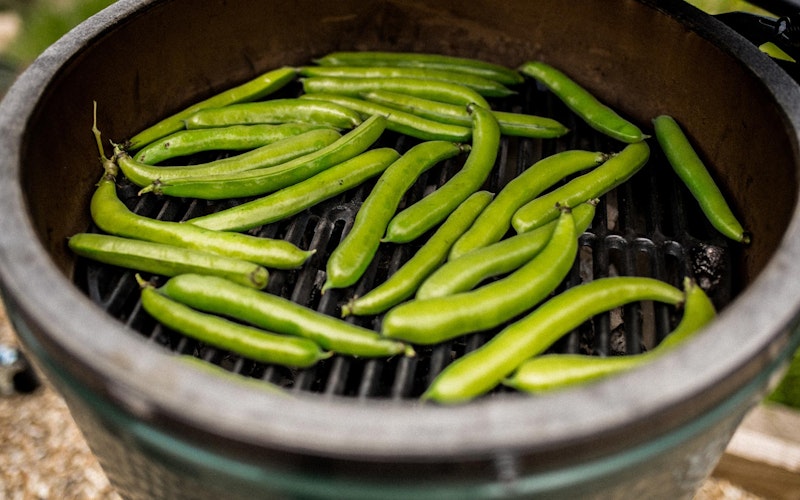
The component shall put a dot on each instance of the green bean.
(596, 114)
(270, 155)
(215, 295)
(232, 138)
(257, 88)
(262, 181)
(481, 85)
(615, 171)
(166, 260)
(495, 221)
(297, 197)
(275, 111)
(513, 124)
(237, 378)
(415, 220)
(113, 217)
(420, 60)
(399, 121)
(350, 258)
(557, 371)
(434, 320)
(434, 90)
(481, 370)
(252, 343)
(694, 174)
(698, 311)
(468, 271)
(403, 282)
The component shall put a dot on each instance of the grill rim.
(37, 295)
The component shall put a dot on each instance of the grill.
(649, 226)
(353, 428)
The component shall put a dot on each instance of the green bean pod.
(616, 170)
(270, 155)
(400, 121)
(252, 90)
(215, 295)
(252, 343)
(495, 221)
(512, 124)
(698, 311)
(596, 114)
(557, 371)
(350, 258)
(262, 181)
(231, 138)
(403, 283)
(468, 271)
(423, 215)
(442, 318)
(297, 197)
(481, 85)
(453, 93)
(113, 217)
(467, 65)
(236, 378)
(166, 260)
(694, 174)
(484, 368)
(275, 111)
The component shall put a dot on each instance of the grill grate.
(650, 226)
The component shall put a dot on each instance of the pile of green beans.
(482, 260)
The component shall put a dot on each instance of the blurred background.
(43, 455)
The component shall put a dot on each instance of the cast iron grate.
(650, 226)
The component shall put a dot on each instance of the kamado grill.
(354, 428)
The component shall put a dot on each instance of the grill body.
(162, 428)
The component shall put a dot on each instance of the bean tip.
(745, 238)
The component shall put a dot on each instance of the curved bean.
(400, 121)
(232, 138)
(481, 85)
(297, 197)
(403, 282)
(494, 222)
(252, 343)
(468, 271)
(215, 295)
(472, 66)
(556, 371)
(350, 258)
(270, 155)
(166, 260)
(435, 90)
(415, 220)
(113, 217)
(481, 370)
(694, 174)
(258, 182)
(434, 320)
(275, 111)
(615, 171)
(256, 88)
(596, 114)
(698, 311)
(237, 378)
(513, 124)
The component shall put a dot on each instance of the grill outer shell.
(162, 429)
